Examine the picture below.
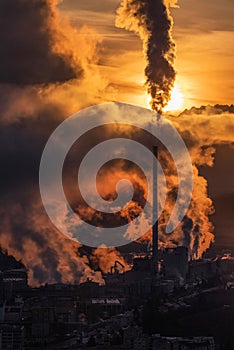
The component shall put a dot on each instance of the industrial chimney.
(155, 215)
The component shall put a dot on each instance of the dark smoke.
(28, 32)
(187, 226)
(151, 20)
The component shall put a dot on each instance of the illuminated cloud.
(29, 113)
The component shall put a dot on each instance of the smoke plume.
(45, 75)
(151, 20)
(196, 231)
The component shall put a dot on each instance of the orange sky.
(203, 32)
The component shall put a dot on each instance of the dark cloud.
(29, 31)
(22, 143)
(209, 110)
(38, 49)
(221, 190)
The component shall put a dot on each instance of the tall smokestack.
(155, 214)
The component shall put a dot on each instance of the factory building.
(11, 282)
(11, 337)
(175, 262)
(181, 343)
(203, 269)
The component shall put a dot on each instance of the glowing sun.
(177, 100)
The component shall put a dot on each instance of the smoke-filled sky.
(203, 32)
(58, 57)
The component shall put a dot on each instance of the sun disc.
(177, 100)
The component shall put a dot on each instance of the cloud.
(209, 110)
(47, 71)
(204, 16)
(30, 35)
(205, 130)
(29, 113)
(28, 234)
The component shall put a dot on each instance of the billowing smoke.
(51, 80)
(196, 230)
(106, 258)
(45, 76)
(151, 20)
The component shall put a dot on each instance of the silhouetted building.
(226, 264)
(14, 281)
(175, 262)
(203, 269)
(11, 337)
(180, 343)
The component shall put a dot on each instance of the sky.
(203, 32)
(58, 57)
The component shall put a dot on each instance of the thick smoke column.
(151, 20)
